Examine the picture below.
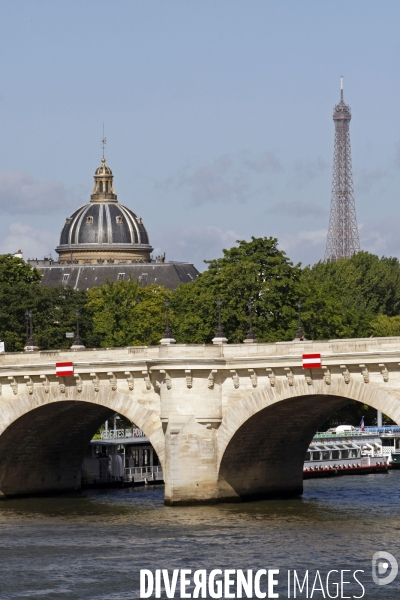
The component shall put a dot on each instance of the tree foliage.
(125, 314)
(345, 299)
(256, 271)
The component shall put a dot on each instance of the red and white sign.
(312, 361)
(64, 369)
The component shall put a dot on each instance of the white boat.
(121, 457)
(345, 450)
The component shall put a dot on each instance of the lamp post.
(219, 336)
(27, 327)
(300, 333)
(167, 339)
(30, 342)
(250, 338)
(77, 345)
(167, 332)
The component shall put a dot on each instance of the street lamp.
(300, 333)
(77, 342)
(167, 332)
(27, 327)
(167, 338)
(250, 338)
(220, 333)
(30, 342)
(219, 336)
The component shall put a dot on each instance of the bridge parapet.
(243, 365)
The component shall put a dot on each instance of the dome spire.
(104, 140)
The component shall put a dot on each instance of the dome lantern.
(103, 184)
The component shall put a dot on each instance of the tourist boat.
(119, 458)
(346, 450)
(390, 436)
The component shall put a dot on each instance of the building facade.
(105, 240)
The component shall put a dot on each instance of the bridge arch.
(44, 435)
(264, 436)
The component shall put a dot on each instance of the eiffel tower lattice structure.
(342, 240)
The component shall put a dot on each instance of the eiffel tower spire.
(342, 240)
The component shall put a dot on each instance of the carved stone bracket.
(235, 378)
(167, 379)
(271, 377)
(113, 381)
(147, 379)
(29, 384)
(385, 373)
(14, 385)
(130, 380)
(189, 379)
(327, 376)
(79, 383)
(96, 381)
(365, 373)
(61, 384)
(308, 376)
(346, 373)
(46, 383)
(289, 375)
(1, 389)
(253, 377)
(211, 380)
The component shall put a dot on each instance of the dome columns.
(103, 184)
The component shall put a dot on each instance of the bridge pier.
(190, 462)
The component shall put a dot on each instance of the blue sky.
(218, 116)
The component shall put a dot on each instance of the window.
(325, 455)
(353, 453)
(308, 454)
(65, 276)
(345, 454)
(101, 186)
(316, 455)
(89, 220)
(119, 220)
(121, 275)
(335, 454)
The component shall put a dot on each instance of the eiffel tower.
(342, 240)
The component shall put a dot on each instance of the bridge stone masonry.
(228, 422)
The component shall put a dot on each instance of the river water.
(92, 545)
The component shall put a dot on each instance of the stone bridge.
(227, 421)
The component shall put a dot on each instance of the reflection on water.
(92, 545)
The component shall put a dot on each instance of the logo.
(381, 561)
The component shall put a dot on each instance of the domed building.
(104, 231)
(104, 240)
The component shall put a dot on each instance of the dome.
(103, 230)
(103, 169)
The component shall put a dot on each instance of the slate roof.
(84, 277)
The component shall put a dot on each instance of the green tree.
(384, 326)
(53, 314)
(16, 270)
(256, 271)
(344, 298)
(125, 314)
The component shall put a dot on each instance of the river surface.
(92, 545)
